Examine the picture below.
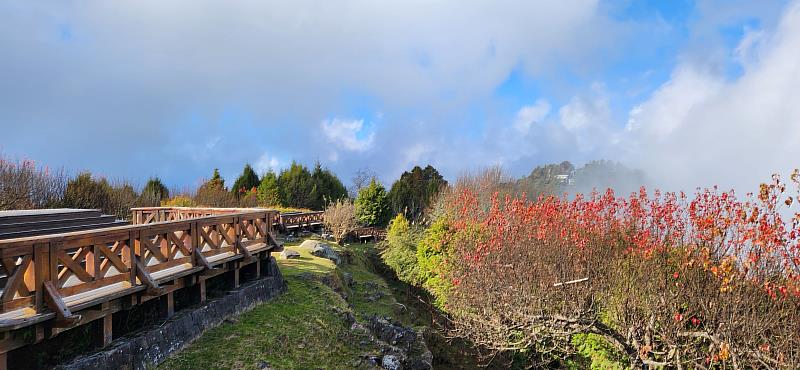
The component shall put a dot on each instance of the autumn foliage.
(704, 281)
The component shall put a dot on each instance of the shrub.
(340, 218)
(432, 253)
(86, 192)
(179, 201)
(122, 197)
(399, 250)
(23, 185)
(248, 199)
(711, 281)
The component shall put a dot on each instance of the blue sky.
(137, 89)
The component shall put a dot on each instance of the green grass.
(367, 283)
(304, 328)
(596, 353)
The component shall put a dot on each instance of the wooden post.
(3, 361)
(40, 335)
(41, 260)
(236, 276)
(195, 238)
(133, 250)
(107, 330)
(169, 304)
(202, 289)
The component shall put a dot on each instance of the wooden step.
(37, 215)
(49, 224)
(60, 230)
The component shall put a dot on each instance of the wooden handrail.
(146, 215)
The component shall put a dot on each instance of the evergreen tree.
(213, 193)
(245, 182)
(154, 192)
(372, 205)
(414, 191)
(295, 186)
(327, 188)
(216, 182)
(268, 191)
(86, 193)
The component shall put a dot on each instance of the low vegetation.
(340, 218)
(656, 279)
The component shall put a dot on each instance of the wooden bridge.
(369, 233)
(293, 221)
(56, 282)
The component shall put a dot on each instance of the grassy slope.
(303, 329)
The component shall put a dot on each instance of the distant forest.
(24, 185)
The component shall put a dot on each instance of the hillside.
(332, 317)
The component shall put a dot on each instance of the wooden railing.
(54, 275)
(302, 220)
(371, 232)
(146, 215)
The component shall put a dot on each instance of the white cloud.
(700, 128)
(747, 50)
(670, 105)
(588, 119)
(345, 133)
(266, 162)
(530, 114)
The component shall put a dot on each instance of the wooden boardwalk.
(57, 282)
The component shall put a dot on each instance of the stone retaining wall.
(150, 347)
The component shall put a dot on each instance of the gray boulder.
(289, 254)
(392, 333)
(321, 250)
(347, 278)
(391, 362)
